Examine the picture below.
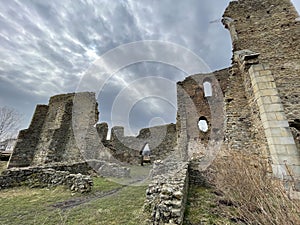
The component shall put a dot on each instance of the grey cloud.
(47, 46)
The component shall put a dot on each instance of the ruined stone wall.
(192, 105)
(59, 132)
(28, 139)
(161, 139)
(68, 175)
(65, 131)
(56, 132)
(238, 134)
(266, 58)
(102, 130)
(167, 193)
(269, 28)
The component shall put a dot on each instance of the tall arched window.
(207, 89)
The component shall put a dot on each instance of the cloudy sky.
(47, 47)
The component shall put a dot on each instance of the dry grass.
(203, 207)
(3, 165)
(257, 197)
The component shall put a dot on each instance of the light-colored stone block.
(268, 116)
(271, 108)
(266, 66)
(276, 149)
(292, 150)
(274, 131)
(266, 85)
(283, 140)
(251, 70)
(266, 92)
(269, 124)
(280, 115)
(253, 75)
(275, 99)
(263, 117)
(295, 170)
(262, 79)
(279, 171)
(285, 159)
(261, 100)
(286, 132)
(265, 73)
(266, 100)
(255, 88)
(257, 67)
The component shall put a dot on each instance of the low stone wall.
(47, 177)
(74, 168)
(167, 193)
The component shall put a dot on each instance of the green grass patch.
(203, 207)
(139, 175)
(23, 205)
(123, 207)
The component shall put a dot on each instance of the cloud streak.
(47, 46)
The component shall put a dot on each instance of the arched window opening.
(207, 89)
(145, 154)
(202, 124)
(146, 150)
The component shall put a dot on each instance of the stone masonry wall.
(161, 139)
(167, 193)
(266, 58)
(58, 132)
(283, 150)
(28, 139)
(68, 175)
(269, 27)
(193, 105)
(239, 134)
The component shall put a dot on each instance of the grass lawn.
(138, 175)
(203, 208)
(39, 206)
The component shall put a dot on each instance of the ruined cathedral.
(253, 106)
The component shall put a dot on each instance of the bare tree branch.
(10, 121)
